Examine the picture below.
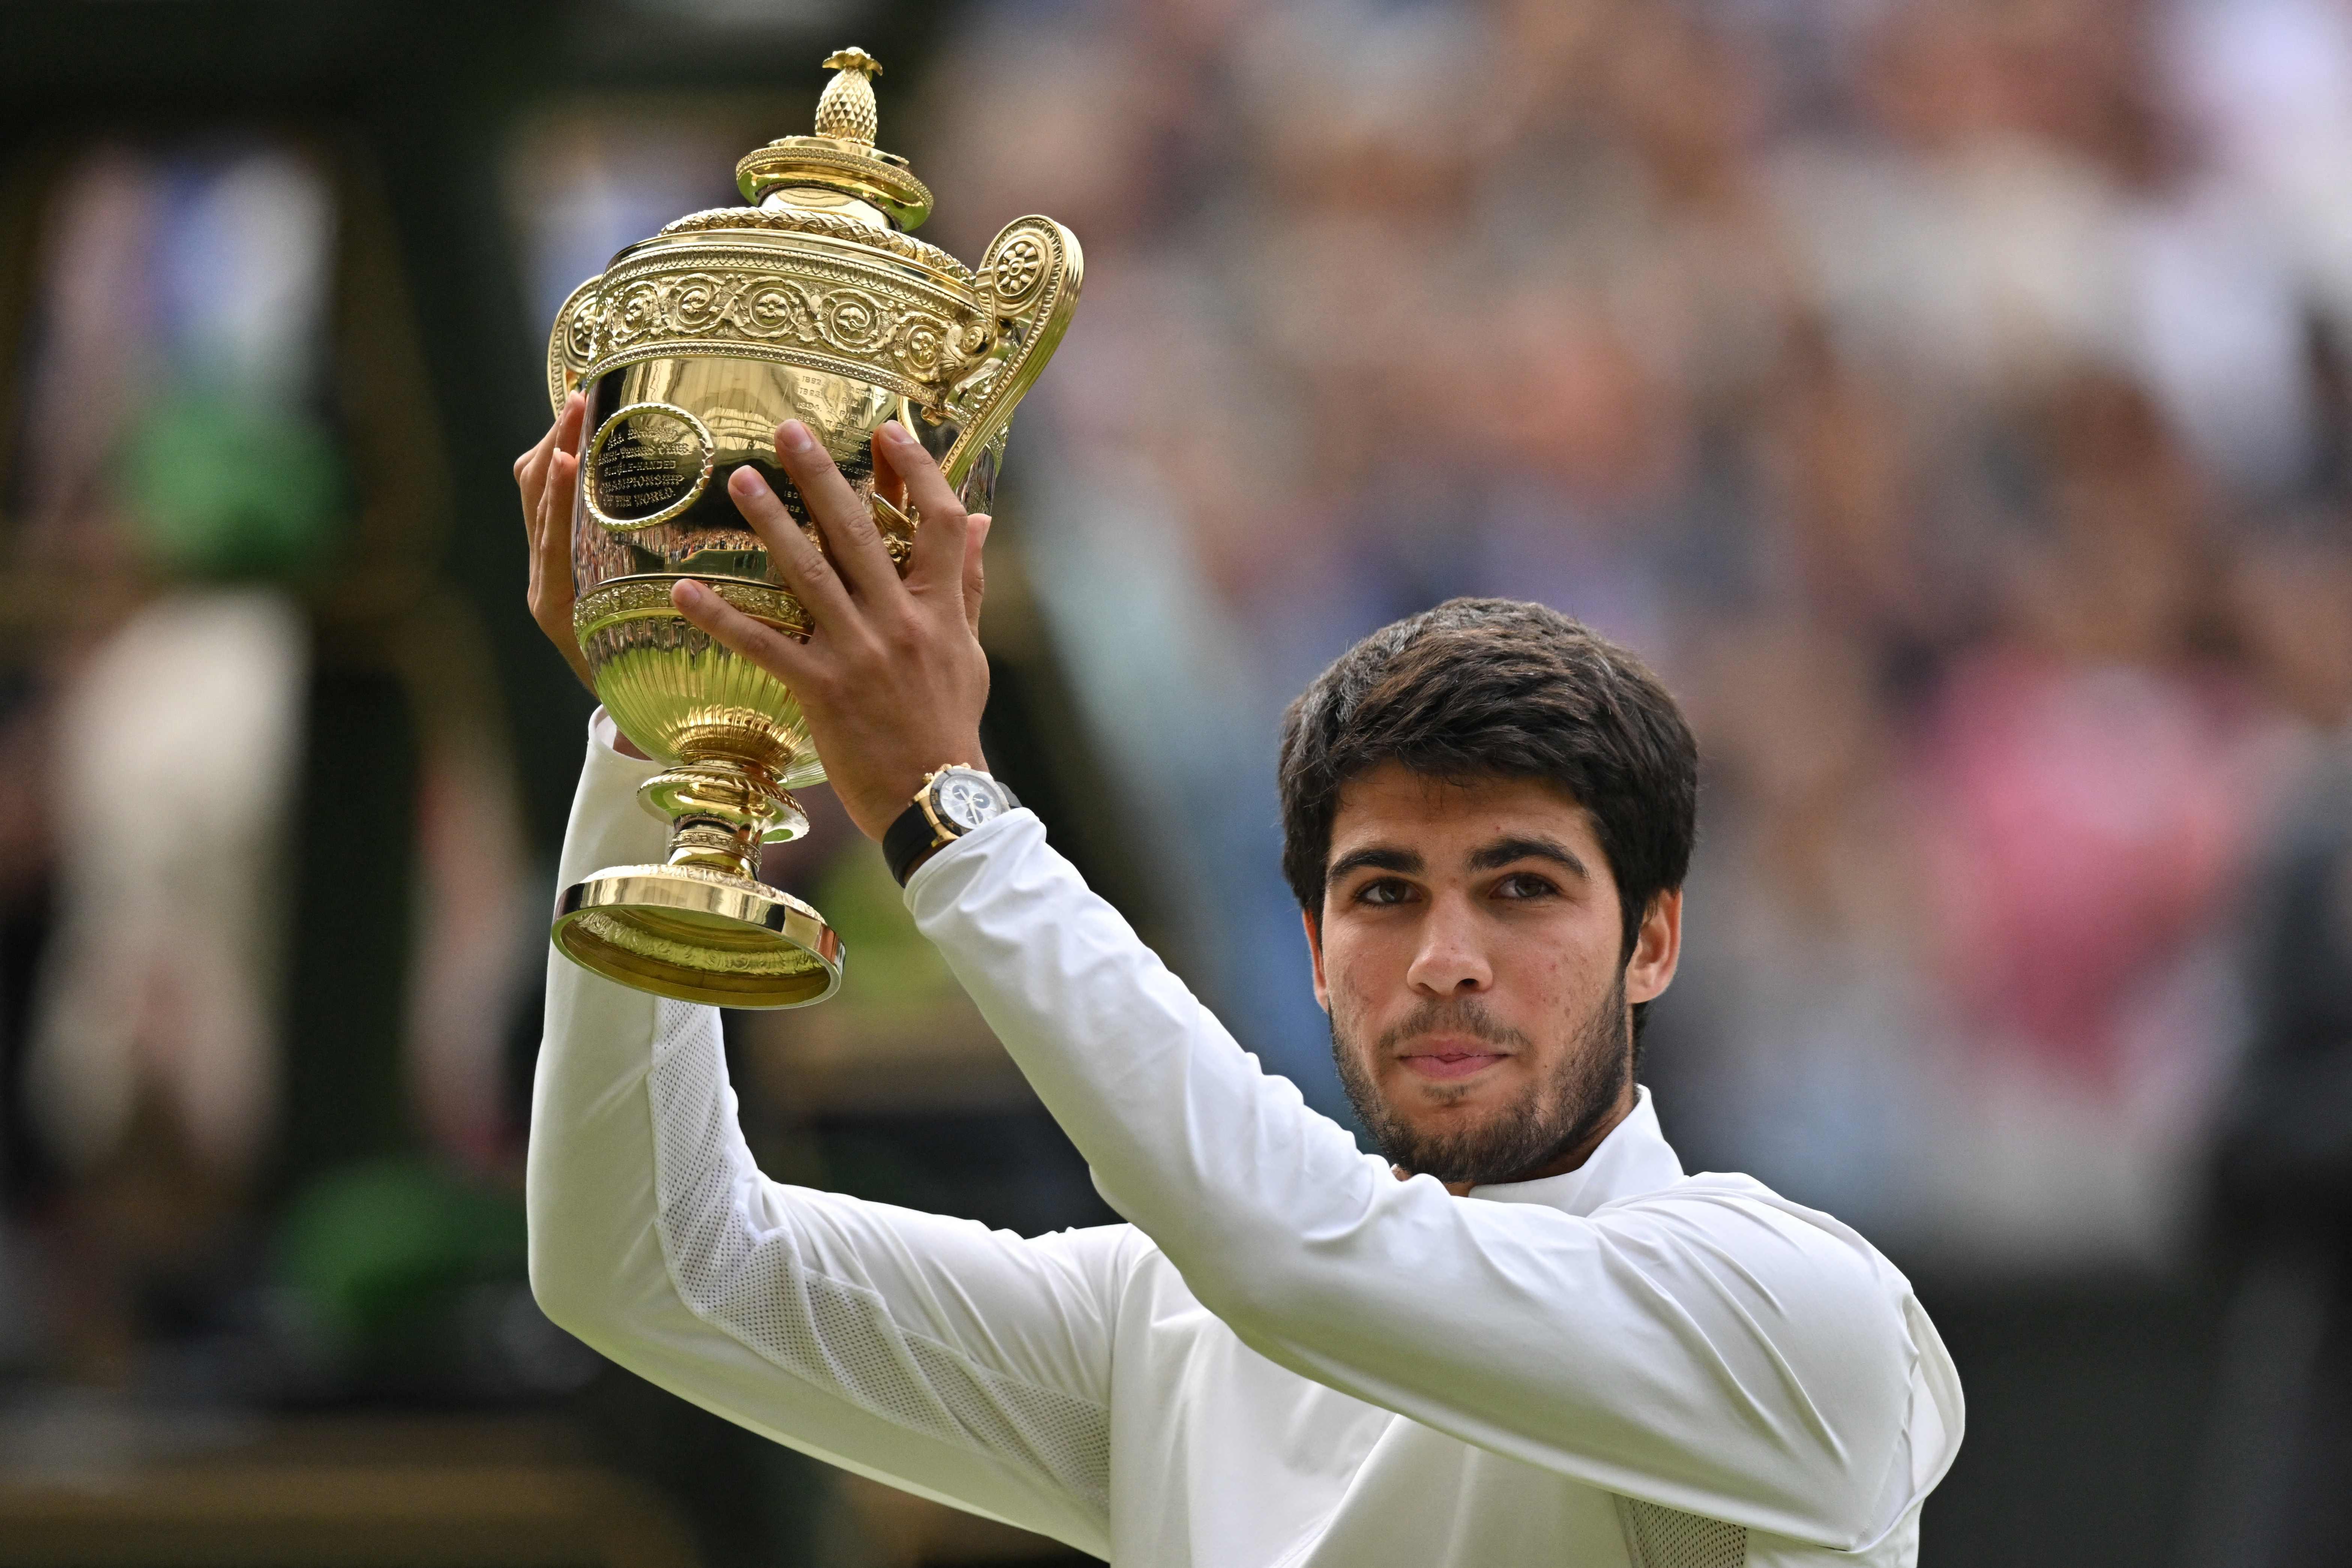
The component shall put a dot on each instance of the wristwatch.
(951, 803)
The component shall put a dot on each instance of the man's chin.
(1487, 1127)
(1463, 1117)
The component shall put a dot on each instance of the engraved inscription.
(647, 463)
(650, 463)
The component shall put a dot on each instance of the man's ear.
(1315, 948)
(1658, 949)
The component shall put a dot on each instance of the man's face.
(1469, 953)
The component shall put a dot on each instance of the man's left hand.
(892, 681)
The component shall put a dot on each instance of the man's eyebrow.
(1503, 851)
(1374, 858)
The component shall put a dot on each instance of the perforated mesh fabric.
(837, 1335)
(1664, 1538)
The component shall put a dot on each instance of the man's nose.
(1449, 960)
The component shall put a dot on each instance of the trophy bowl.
(814, 303)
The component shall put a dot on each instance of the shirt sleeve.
(969, 1365)
(1710, 1349)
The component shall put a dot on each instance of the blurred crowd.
(1953, 398)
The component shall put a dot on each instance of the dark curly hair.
(1498, 688)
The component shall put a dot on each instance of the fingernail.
(897, 433)
(689, 593)
(744, 481)
(794, 437)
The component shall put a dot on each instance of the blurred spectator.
(214, 537)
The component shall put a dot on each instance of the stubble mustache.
(1451, 1016)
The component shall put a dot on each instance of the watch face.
(966, 800)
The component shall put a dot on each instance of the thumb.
(975, 575)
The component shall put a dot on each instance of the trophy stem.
(702, 926)
(716, 845)
(721, 809)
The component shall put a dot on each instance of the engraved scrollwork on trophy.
(853, 321)
(701, 301)
(921, 336)
(772, 308)
(923, 343)
(635, 310)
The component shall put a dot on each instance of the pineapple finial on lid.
(847, 111)
(841, 156)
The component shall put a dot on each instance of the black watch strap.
(911, 836)
(907, 838)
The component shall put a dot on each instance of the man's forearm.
(589, 1187)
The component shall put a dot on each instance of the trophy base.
(699, 934)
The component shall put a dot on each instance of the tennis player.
(1520, 1336)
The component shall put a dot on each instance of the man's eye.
(1383, 890)
(1524, 885)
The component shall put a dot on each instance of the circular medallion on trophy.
(647, 464)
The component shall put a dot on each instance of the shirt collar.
(1634, 1159)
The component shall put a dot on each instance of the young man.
(1524, 1337)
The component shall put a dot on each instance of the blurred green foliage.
(220, 486)
(371, 1249)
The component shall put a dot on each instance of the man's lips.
(1449, 1059)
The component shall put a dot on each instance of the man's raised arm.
(969, 1365)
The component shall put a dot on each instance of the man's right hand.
(547, 475)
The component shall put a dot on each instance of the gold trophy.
(814, 303)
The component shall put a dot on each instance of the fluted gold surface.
(692, 700)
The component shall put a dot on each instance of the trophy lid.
(841, 158)
(820, 272)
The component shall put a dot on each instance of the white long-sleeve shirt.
(1287, 1358)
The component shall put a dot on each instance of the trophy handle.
(1029, 285)
(572, 342)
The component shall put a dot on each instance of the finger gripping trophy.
(814, 303)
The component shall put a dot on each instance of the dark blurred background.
(1952, 397)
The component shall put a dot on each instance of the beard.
(1555, 1113)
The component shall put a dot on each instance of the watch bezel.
(944, 829)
